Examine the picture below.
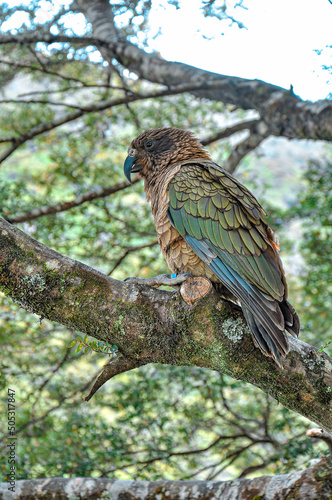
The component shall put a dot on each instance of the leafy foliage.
(315, 207)
(156, 422)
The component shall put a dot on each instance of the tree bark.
(309, 484)
(158, 326)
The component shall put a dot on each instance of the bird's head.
(155, 150)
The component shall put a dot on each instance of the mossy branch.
(150, 325)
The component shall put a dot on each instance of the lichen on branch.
(150, 325)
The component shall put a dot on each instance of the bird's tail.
(277, 346)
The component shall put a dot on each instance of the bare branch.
(113, 368)
(228, 131)
(32, 38)
(128, 251)
(94, 194)
(71, 87)
(237, 416)
(252, 468)
(57, 367)
(321, 434)
(42, 101)
(43, 69)
(10, 139)
(241, 150)
(184, 452)
(135, 118)
(36, 56)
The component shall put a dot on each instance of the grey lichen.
(314, 363)
(52, 265)
(35, 282)
(234, 329)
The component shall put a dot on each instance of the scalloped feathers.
(210, 225)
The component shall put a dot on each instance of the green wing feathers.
(224, 225)
(211, 205)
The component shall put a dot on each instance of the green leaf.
(79, 347)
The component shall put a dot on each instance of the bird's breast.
(178, 254)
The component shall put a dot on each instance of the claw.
(174, 280)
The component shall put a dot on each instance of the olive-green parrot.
(209, 225)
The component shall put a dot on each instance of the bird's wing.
(224, 225)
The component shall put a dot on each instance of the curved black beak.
(128, 165)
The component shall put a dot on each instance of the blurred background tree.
(69, 110)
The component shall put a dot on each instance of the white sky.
(278, 45)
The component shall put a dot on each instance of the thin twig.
(43, 70)
(65, 89)
(67, 205)
(55, 407)
(252, 468)
(131, 250)
(42, 101)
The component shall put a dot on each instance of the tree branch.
(72, 87)
(320, 434)
(129, 250)
(256, 136)
(158, 326)
(311, 483)
(42, 101)
(43, 69)
(96, 107)
(32, 38)
(94, 194)
(112, 369)
(287, 114)
(228, 131)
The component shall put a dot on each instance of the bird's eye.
(149, 144)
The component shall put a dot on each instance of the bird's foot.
(173, 280)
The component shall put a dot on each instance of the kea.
(210, 225)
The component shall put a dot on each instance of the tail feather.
(266, 316)
(292, 320)
(276, 345)
(262, 339)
